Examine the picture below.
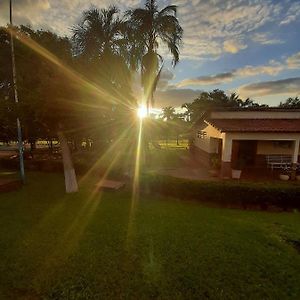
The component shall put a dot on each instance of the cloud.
(212, 26)
(165, 77)
(283, 86)
(207, 80)
(273, 68)
(208, 25)
(292, 14)
(233, 46)
(293, 61)
(264, 39)
(175, 97)
(56, 15)
(34, 11)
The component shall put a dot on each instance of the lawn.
(101, 246)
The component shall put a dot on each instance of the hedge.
(228, 193)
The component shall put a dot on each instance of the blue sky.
(251, 47)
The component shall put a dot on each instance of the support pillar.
(226, 157)
(295, 159)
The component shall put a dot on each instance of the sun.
(142, 112)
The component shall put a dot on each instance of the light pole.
(14, 75)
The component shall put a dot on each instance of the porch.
(259, 155)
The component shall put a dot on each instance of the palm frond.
(171, 9)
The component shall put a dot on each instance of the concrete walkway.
(188, 169)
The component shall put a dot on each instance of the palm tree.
(168, 113)
(154, 27)
(98, 33)
(100, 41)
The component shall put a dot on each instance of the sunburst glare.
(142, 112)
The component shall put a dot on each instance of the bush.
(228, 193)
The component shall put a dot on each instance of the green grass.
(57, 246)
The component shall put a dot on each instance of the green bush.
(228, 193)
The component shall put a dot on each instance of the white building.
(263, 137)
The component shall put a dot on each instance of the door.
(247, 152)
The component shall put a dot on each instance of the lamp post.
(14, 75)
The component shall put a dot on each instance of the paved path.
(189, 169)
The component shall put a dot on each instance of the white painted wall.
(209, 143)
(269, 148)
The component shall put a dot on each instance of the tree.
(100, 46)
(46, 97)
(154, 27)
(290, 103)
(214, 100)
(101, 52)
(168, 113)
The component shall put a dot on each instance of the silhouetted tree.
(290, 103)
(154, 27)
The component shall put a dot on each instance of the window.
(201, 134)
(282, 144)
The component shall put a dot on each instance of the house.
(265, 137)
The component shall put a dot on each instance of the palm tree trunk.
(69, 171)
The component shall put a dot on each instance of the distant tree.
(168, 113)
(290, 103)
(180, 126)
(213, 100)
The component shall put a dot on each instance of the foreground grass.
(54, 246)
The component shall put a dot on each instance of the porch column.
(226, 157)
(295, 159)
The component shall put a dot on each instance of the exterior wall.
(209, 141)
(255, 115)
(206, 143)
(202, 143)
(269, 148)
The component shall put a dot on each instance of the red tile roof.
(256, 125)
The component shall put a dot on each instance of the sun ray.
(72, 74)
(107, 154)
(135, 184)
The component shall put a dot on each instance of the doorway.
(247, 152)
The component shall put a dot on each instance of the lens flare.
(142, 112)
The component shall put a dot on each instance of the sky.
(251, 47)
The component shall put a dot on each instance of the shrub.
(229, 193)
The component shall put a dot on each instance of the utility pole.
(14, 75)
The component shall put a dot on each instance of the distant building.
(266, 137)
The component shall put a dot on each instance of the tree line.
(82, 85)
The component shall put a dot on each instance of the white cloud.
(233, 46)
(207, 24)
(265, 39)
(273, 68)
(292, 15)
(293, 61)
